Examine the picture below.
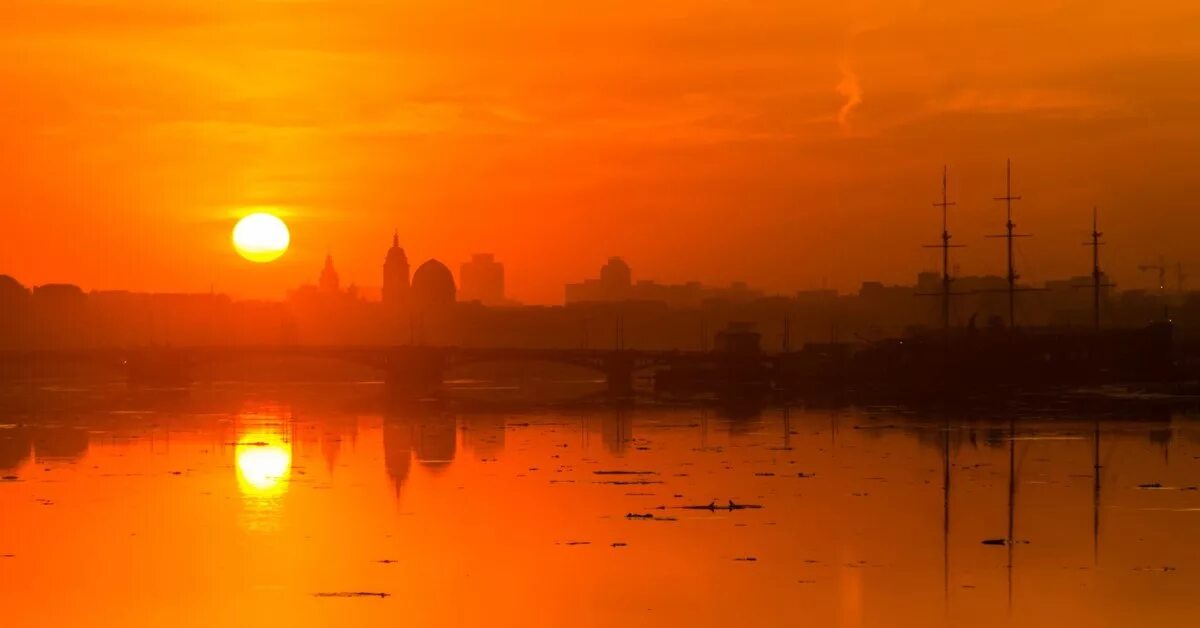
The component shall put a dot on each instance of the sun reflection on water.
(263, 463)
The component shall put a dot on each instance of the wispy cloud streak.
(850, 88)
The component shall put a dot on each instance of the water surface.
(269, 505)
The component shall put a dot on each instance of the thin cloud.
(850, 88)
(1025, 100)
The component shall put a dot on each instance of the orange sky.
(785, 143)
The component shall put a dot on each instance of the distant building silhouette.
(329, 282)
(616, 285)
(59, 315)
(433, 286)
(59, 294)
(739, 337)
(615, 276)
(482, 280)
(395, 275)
(14, 313)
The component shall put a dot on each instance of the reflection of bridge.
(408, 369)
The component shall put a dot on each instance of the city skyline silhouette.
(693, 313)
(791, 147)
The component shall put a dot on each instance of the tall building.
(395, 275)
(329, 282)
(482, 280)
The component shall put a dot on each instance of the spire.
(329, 278)
(396, 239)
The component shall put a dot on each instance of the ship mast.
(1096, 275)
(1009, 235)
(1098, 283)
(1012, 502)
(945, 246)
(1095, 270)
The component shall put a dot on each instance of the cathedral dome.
(433, 285)
(11, 288)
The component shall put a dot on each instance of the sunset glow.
(688, 313)
(759, 138)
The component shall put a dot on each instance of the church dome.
(11, 288)
(433, 285)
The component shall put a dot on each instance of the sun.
(261, 237)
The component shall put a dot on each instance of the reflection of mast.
(1096, 493)
(946, 511)
(833, 429)
(1012, 498)
(616, 431)
(787, 427)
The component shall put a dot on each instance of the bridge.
(409, 370)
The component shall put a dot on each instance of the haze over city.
(792, 146)
(874, 313)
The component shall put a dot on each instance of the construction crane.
(1161, 269)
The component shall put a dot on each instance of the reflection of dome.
(59, 443)
(14, 448)
(433, 284)
(436, 443)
